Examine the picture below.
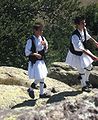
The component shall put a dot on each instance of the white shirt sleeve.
(28, 47)
(87, 35)
(46, 44)
(77, 44)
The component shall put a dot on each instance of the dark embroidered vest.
(32, 58)
(72, 50)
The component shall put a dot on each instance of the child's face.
(38, 32)
(82, 24)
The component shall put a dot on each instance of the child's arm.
(94, 41)
(95, 58)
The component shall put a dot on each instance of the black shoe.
(34, 86)
(31, 93)
(44, 96)
(45, 85)
(79, 77)
(86, 89)
(88, 84)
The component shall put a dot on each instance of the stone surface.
(68, 75)
(65, 103)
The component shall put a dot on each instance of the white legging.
(41, 81)
(85, 72)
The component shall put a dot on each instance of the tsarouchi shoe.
(89, 84)
(31, 93)
(86, 89)
(45, 85)
(34, 86)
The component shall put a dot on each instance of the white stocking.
(41, 86)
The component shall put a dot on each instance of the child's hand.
(95, 58)
(43, 43)
(96, 44)
(37, 55)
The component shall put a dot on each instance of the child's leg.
(42, 94)
(82, 76)
(41, 86)
(83, 80)
(87, 72)
(88, 69)
(33, 85)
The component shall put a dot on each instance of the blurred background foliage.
(18, 16)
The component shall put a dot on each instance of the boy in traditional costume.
(79, 56)
(35, 49)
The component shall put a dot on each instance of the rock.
(13, 76)
(65, 102)
(63, 72)
(12, 95)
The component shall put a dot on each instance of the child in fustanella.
(35, 49)
(79, 56)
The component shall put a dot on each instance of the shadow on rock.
(25, 103)
(60, 96)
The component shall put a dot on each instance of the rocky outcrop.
(68, 75)
(13, 76)
(12, 95)
(65, 103)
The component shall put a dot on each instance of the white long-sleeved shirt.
(77, 43)
(38, 45)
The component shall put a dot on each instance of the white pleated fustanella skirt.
(75, 61)
(38, 70)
